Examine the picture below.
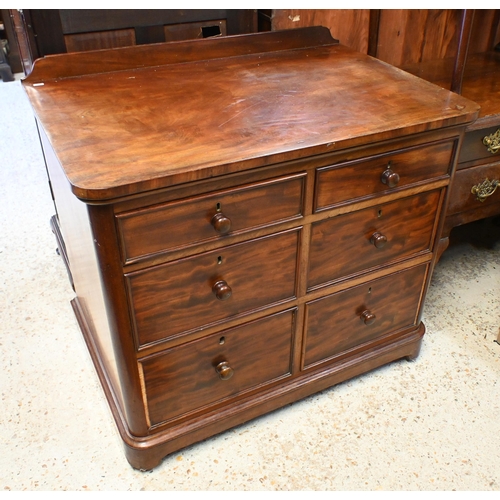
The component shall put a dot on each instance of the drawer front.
(484, 180)
(209, 217)
(220, 366)
(474, 149)
(345, 182)
(343, 321)
(360, 240)
(190, 293)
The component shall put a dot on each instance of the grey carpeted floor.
(431, 424)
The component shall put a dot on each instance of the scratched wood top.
(122, 132)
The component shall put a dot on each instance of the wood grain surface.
(124, 132)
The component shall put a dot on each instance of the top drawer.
(348, 181)
(208, 217)
(474, 149)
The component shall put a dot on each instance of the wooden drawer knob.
(367, 317)
(224, 371)
(390, 178)
(221, 223)
(378, 240)
(222, 290)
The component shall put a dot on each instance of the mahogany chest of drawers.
(248, 220)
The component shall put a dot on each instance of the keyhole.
(219, 260)
(217, 207)
(379, 213)
(370, 290)
(222, 340)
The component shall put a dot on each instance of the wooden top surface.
(134, 130)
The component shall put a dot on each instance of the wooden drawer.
(358, 316)
(363, 178)
(216, 368)
(461, 197)
(361, 240)
(208, 217)
(183, 295)
(473, 148)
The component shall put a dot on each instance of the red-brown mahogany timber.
(239, 245)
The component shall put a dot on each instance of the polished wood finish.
(376, 235)
(456, 51)
(465, 29)
(219, 274)
(477, 165)
(351, 26)
(474, 151)
(408, 36)
(240, 134)
(341, 323)
(210, 370)
(191, 293)
(207, 217)
(463, 199)
(366, 177)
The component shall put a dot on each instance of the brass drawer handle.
(485, 189)
(492, 142)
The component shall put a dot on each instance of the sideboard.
(248, 220)
(474, 72)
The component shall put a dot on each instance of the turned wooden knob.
(378, 240)
(222, 290)
(367, 317)
(221, 223)
(390, 178)
(224, 371)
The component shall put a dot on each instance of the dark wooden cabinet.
(248, 220)
(41, 32)
(455, 49)
(470, 65)
(475, 195)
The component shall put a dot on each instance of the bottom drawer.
(345, 320)
(209, 370)
(483, 179)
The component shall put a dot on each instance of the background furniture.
(454, 49)
(5, 51)
(42, 32)
(269, 236)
